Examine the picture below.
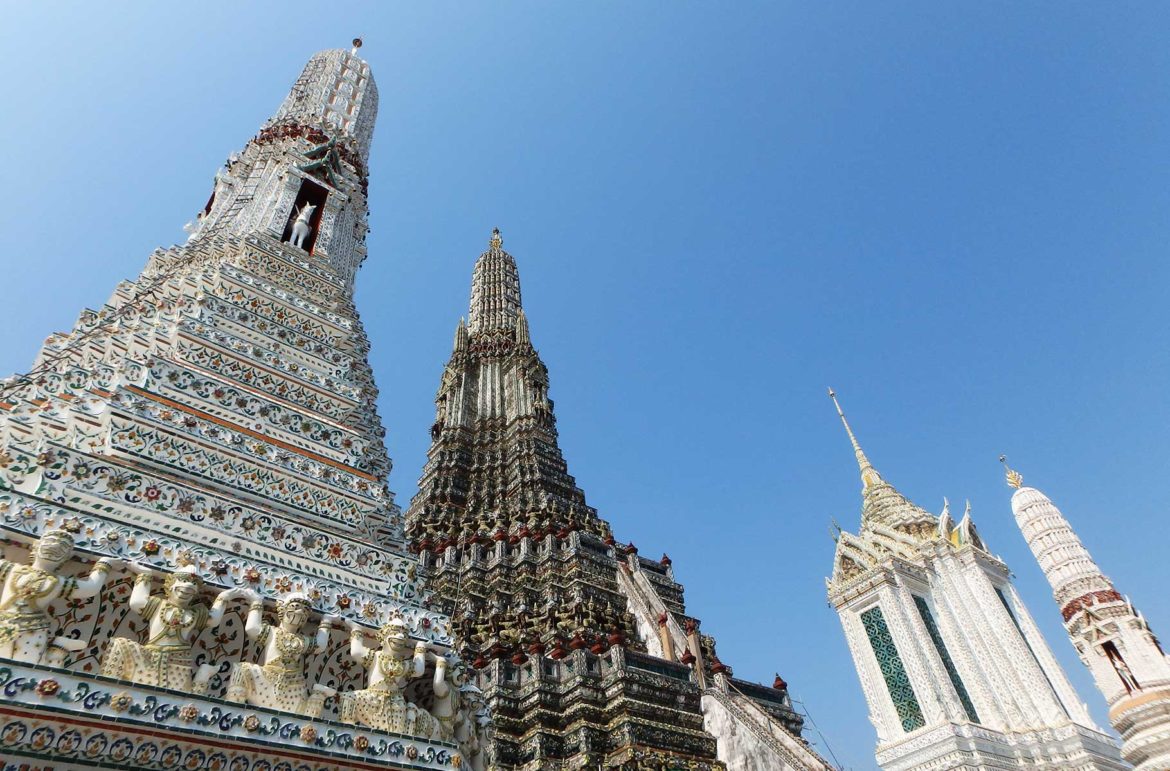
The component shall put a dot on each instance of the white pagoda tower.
(1112, 638)
(955, 672)
(212, 428)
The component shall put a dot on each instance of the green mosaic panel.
(948, 664)
(894, 673)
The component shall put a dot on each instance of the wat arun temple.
(203, 566)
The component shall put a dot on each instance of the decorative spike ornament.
(869, 475)
(460, 344)
(522, 337)
(1015, 480)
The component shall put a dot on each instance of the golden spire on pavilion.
(869, 475)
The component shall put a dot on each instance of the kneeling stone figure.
(26, 591)
(382, 704)
(280, 683)
(176, 620)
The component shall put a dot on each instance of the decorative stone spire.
(1112, 638)
(302, 179)
(1066, 562)
(522, 337)
(944, 647)
(881, 502)
(495, 378)
(869, 475)
(335, 89)
(460, 337)
(531, 573)
(495, 289)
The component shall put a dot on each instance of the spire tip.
(1014, 478)
(869, 475)
(496, 241)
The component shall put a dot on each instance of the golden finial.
(496, 242)
(869, 475)
(1014, 478)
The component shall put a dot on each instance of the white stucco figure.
(27, 592)
(459, 709)
(301, 228)
(382, 704)
(280, 683)
(176, 620)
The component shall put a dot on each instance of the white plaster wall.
(737, 746)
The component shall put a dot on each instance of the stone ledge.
(52, 713)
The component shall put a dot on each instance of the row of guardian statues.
(454, 710)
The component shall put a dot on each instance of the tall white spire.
(1113, 640)
(1066, 562)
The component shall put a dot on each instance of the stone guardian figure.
(29, 589)
(460, 710)
(176, 620)
(382, 704)
(279, 683)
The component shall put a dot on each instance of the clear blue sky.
(955, 214)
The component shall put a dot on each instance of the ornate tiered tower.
(956, 674)
(1112, 638)
(584, 648)
(214, 423)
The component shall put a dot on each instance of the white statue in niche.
(175, 622)
(448, 708)
(459, 709)
(29, 589)
(382, 704)
(301, 228)
(279, 683)
(475, 746)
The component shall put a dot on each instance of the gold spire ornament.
(869, 475)
(496, 241)
(1014, 478)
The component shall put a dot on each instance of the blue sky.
(954, 214)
